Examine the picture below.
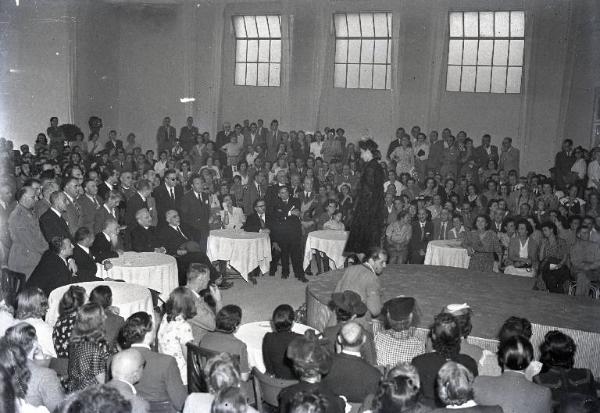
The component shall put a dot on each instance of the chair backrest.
(11, 283)
(267, 388)
(196, 361)
(161, 407)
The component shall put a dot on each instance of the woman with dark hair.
(13, 360)
(481, 244)
(522, 252)
(102, 295)
(311, 361)
(88, 351)
(307, 402)
(32, 306)
(70, 302)
(161, 381)
(275, 344)
(44, 387)
(368, 216)
(558, 374)
(446, 339)
(175, 331)
(553, 269)
(230, 400)
(398, 392)
(511, 390)
(222, 339)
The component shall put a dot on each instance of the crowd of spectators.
(74, 202)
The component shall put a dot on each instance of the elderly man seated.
(350, 375)
(584, 258)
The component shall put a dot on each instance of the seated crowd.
(74, 204)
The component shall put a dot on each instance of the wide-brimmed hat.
(350, 302)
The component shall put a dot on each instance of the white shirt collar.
(142, 196)
(68, 197)
(366, 264)
(470, 403)
(351, 353)
(56, 211)
(141, 345)
(106, 236)
(86, 249)
(108, 185)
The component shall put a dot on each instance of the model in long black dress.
(368, 218)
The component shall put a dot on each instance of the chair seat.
(267, 388)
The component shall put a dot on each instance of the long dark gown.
(368, 219)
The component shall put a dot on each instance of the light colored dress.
(44, 335)
(405, 159)
(235, 219)
(172, 335)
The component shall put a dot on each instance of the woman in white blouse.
(231, 217)
(316, 147)
(522, 252)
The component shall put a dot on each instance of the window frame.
(258, 39)
(389, 49)
(493, 38)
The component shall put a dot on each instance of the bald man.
(350, 375)
(127, 368)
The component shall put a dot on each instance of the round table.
(330, 242)
(447, 252)
(129, 298)
(150, 269)
(252, 335)
(243, 250)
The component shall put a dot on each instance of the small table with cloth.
(329, 242)
(447, 252)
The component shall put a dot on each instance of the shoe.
(225, 285)
(284, 276)
(302, 279)
(308, 272)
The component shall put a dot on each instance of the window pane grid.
(362, 56)
(472, 66)
(258, 50)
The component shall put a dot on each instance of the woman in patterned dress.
(174, 331)
(481, 244)
(70, 302)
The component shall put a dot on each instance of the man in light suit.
(256, 188)
(73, 214)
(274, 138)
(198, 278)
(166, 135)
(509, 157)
(127, 368)
(485, 153)
(89, 204)
(28, 243)
(442, 225)
(52, 223)
(511, 390)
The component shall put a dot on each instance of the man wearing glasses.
(168, 195)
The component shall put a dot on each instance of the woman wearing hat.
(312, 361)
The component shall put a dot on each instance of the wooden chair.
(196, 361)
(11, 283)
(267, 389)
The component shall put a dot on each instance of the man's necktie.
(422, 232)
(444, 231)
(182, 234)
(172, 194)
(262, 221)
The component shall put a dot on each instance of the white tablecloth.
(449, 253)
(243, 250)
(253, 333)
(330, 242)
(129, 298)
(150, 269)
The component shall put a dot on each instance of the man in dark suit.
(195, 211)
(485, 153)
(442, 225)
(177, 241)
(138, 201)
(110, 180)
(350, 375)
(166, 135)
(261, 130)
(113, 142)
(258, 221)
(83, 256)
(272, 195)
(274, 138)
(187, 135)
(52, 223)
(109, 210)
(255, 189)
(396, 142)
(286, 236)
(105, 243)
(168, 195)
(73, 214)
(563, 162)
(422, 233)
(89, 204)
(143, 235)
(54, 269)
(252, 137)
